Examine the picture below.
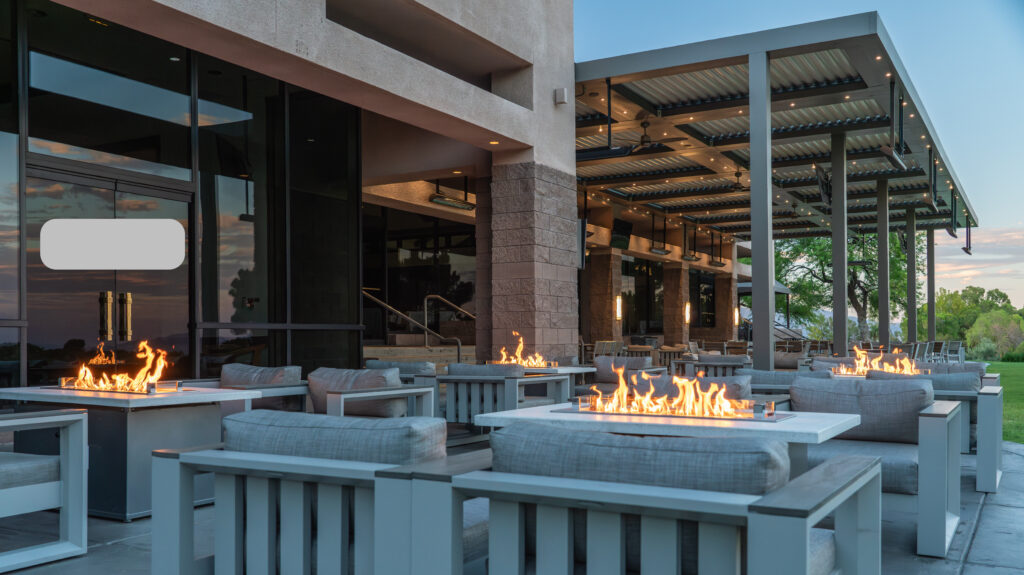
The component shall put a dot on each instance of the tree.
(805, 265)
(956, 311)
(998, 326)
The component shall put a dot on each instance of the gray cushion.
(606, 364)
(566, 360)
(788, 359)
(888, 408)
(324, 379)
(487, 369)
(404, 367)
(780, 379)
(967, 367)
(736, 465)
(723, 359)
(736, 386)
(899, 460)
(394, 440)
(827, 363)
(940, 381)
(17, 469)
(243, 375)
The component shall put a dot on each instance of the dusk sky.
(966, 60)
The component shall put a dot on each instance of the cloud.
(997, 261)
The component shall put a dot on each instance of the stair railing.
(426, 330)
(426, 314)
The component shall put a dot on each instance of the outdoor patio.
(989, 539)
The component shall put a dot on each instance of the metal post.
(930, 251)
(884, 310)
(911, 275)
(840, 306)
(762, 285)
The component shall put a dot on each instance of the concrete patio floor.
(989, 539)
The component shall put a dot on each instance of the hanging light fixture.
(736, 315)
(445, 200)
(661, 250)
(720, 262)
(690, 255)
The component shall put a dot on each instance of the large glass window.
(241, 188)
(643, 296)
(106, 94)
(249, 346)
(10, 243)
(702, 299)
(10, 366)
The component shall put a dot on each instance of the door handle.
(106, 309)
(124, 331)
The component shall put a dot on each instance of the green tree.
(999, 326)
(956, 311)
(805, 265)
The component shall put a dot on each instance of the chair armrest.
(441, 469)
(410, 390)
(175, 453)
(991, 390)
(941, 408)
(530, 380)
(776, 397)
(274, 390)
(41, 419)
(820, 490)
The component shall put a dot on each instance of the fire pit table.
(797, 429)
(575, 372)
(124, 429)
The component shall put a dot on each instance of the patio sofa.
(916, 437)
(560, 501)
(606, 379)
(471, 389)
(31, 482)
(301, 483)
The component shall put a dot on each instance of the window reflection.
(251, 347)
(643, 296)
(702, 298)
(10, 367)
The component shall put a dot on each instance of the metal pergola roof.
(840, 75)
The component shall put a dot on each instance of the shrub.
(985, 349)
(1014, 356)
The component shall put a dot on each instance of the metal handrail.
(426, 314)
(426, 330)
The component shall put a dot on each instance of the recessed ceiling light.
(792, 104)
(911, 114)
(846, 97)
(879, 57)
(494, 142)
(175, 59)
(456, 171)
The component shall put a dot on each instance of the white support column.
(911, 229)
(884, 309)
(840, 305)
(930, 257)
(762, 244)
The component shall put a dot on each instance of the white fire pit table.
(124, 429)
(802, 429)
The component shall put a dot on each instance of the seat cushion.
(940, 381)
(736, 465)
(324, 379)
(779, 379)
(404, 367)
(899, 460)
(393, 440)
(722, 359)
(487, 369)
(607, 364)
(17, 469)
(888, 408)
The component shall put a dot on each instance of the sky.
(965, 58)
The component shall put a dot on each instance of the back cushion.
(788, 359)
(243, 375)
(940, 381)
(888, 408)
(487, 369)
(606, 364)
(324, 379)
(404, 367)
(399, 441)
(736, 465)
(827, 363)
(723, 359)
(780, 379)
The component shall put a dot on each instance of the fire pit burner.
(759, 411)
(67, 383)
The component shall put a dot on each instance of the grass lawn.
(1012, 378)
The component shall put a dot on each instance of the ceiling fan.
(738, 186)
(647, 142)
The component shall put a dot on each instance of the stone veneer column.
(533, 260)
(677, 292)
(482, 289)
(604, 278)
(725, 302)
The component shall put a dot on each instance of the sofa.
(606, 379)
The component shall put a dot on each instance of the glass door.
(78, 315)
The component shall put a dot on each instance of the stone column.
(482, 289)
(726, 301)
(533, 259)
(604, 278)
(677, 294)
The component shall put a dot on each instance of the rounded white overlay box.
(112, 244)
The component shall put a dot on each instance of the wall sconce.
(736, 316)
(686, 313)
(618, 308)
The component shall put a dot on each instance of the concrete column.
(930, 251)
(911, 275)
(676, 284)
(761, 242)
(840, 306)
(482, 288)
(604, 280)
(884, 309)
(533, 259)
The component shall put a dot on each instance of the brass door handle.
(106, 321)
(124, 331)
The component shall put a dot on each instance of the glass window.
(10, 243)
(321, 348)
(241, 194)
(106, 94)
(643, 296)
(702, 299)
(324, 205)
(10, 366)
(248, 346)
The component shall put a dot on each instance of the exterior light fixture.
(736, 315)
(494, 142)
(618, 307)
(686, 313)
(690, 255)
(445, 200)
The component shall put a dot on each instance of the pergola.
(771, 135)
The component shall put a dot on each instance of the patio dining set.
(350, 471)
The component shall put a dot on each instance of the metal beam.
(930, 248)
(840, 305)
(911, 276)
(787, 133)
(656, 197)
(884, 310)
(856, 178)
(762, 246)
(669, 175)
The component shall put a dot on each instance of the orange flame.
(535, 360)
(156, 362)
(690, 401)
(102, 358)
(863, 365)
